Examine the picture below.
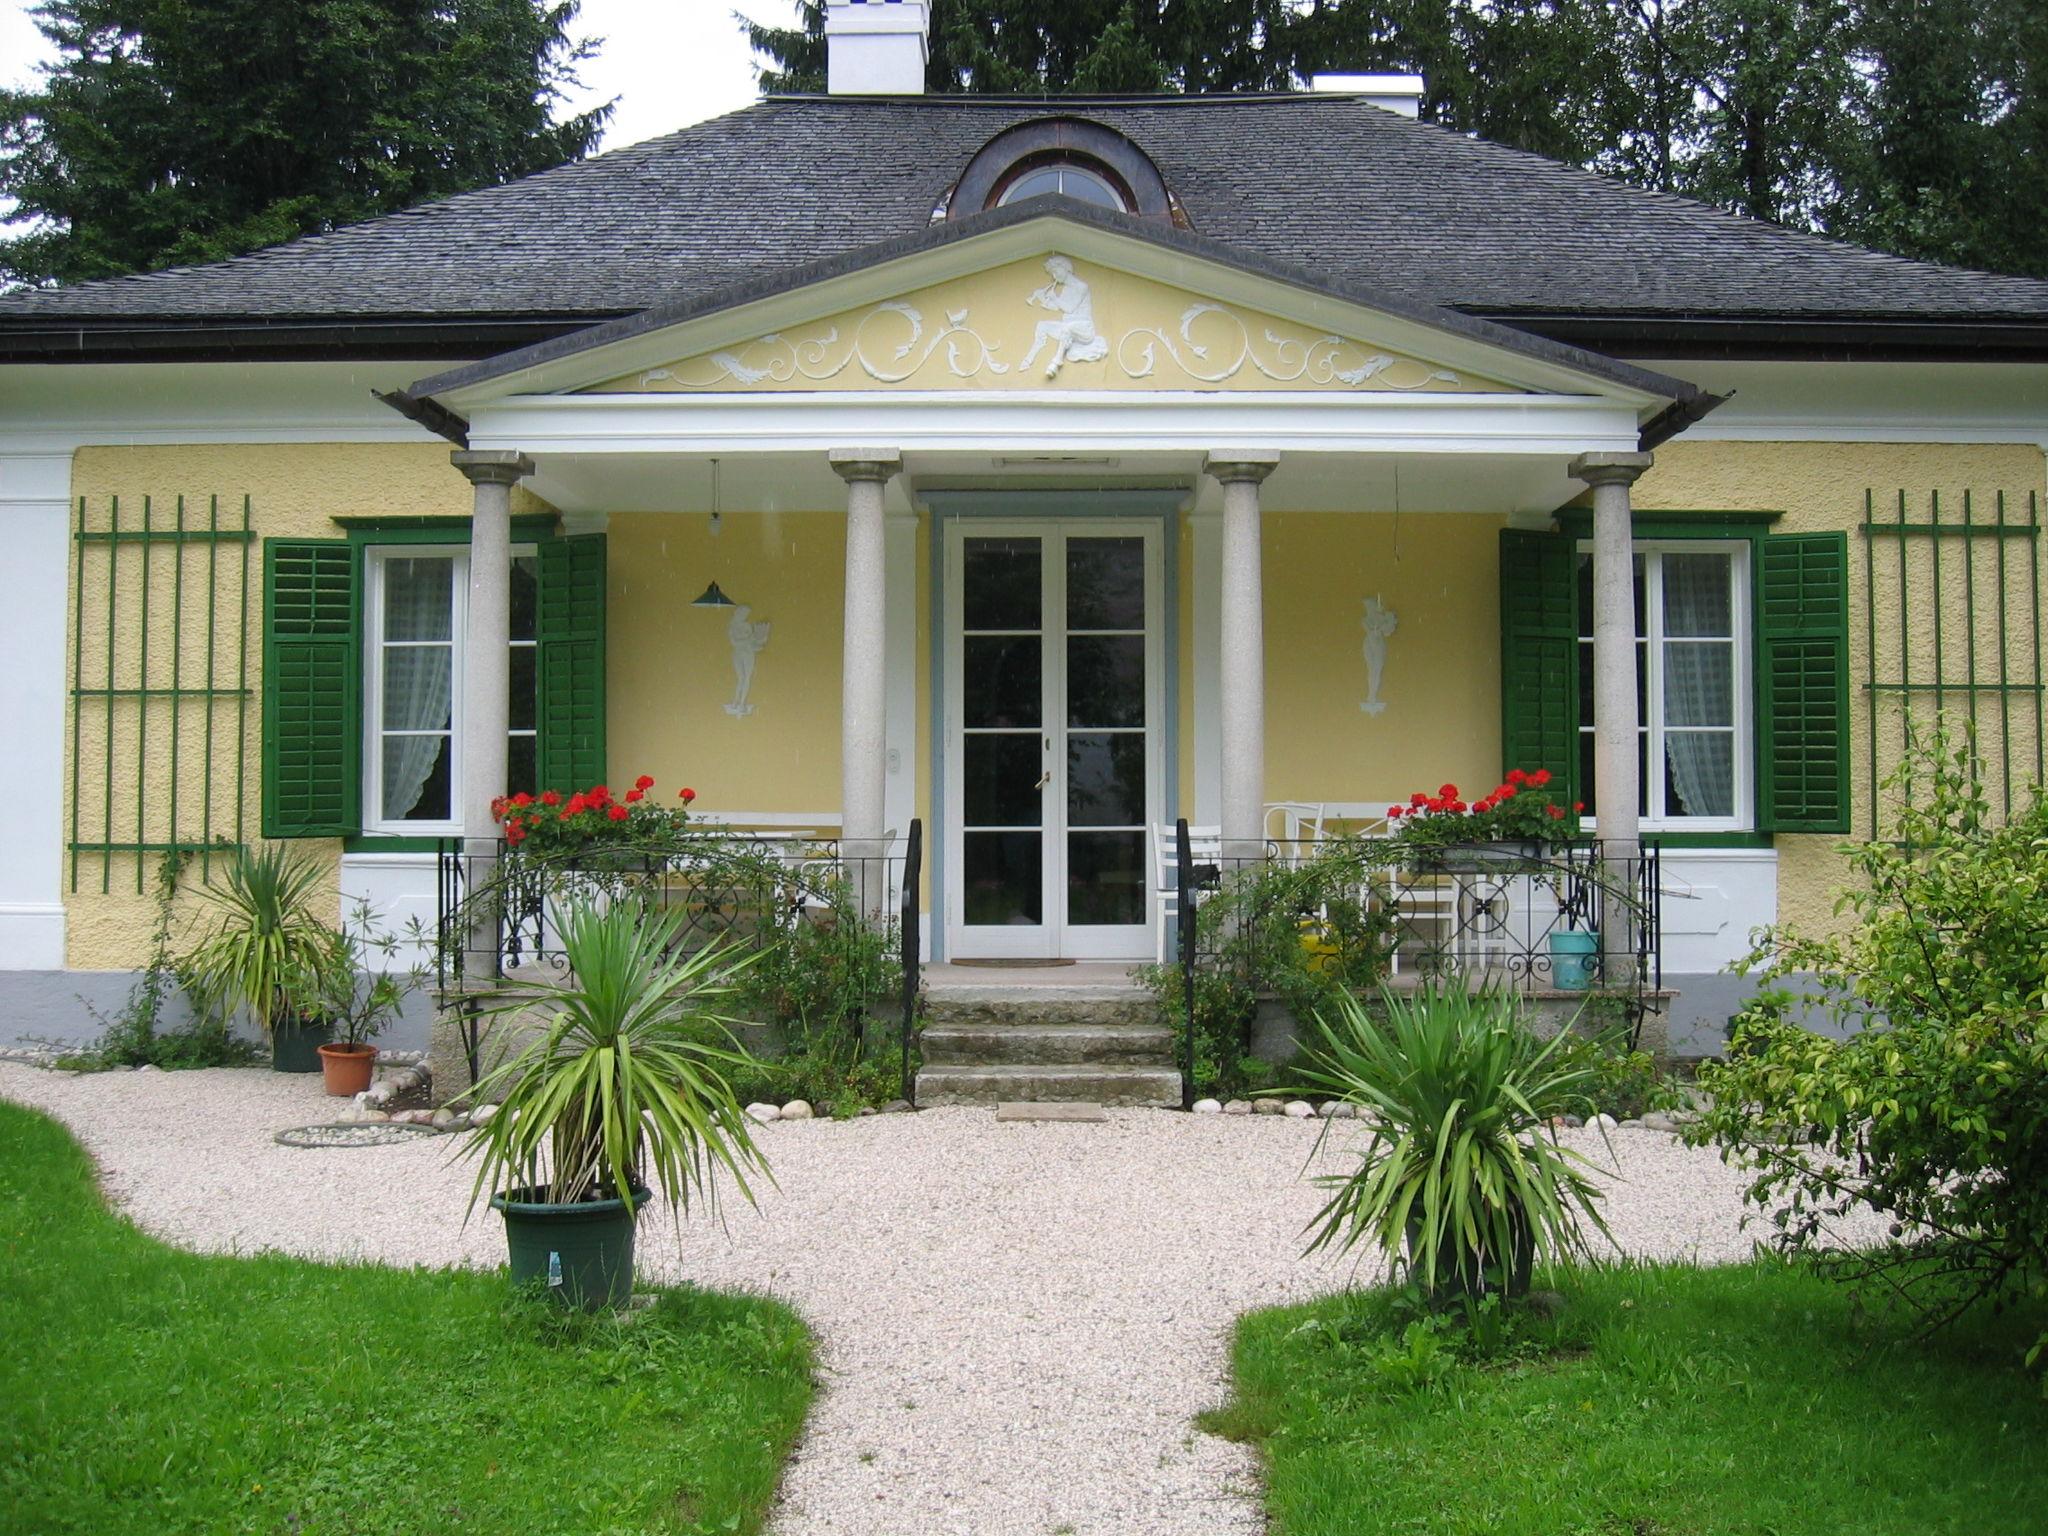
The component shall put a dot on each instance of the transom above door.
(1053, 737)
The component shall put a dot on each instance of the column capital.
(855, 465)
(1610, 468)
(1240, 467)
(492, 466)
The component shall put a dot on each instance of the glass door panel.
(1002, 722)
(1106, 756)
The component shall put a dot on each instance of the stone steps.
(1029, 1045)
(1082, 1084)
(1047, 1042)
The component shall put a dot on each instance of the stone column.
(1617, 777)
(1241, 683)
(486, 669)
(864, 675)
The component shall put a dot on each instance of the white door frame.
(1055, 937)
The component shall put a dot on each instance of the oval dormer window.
(1068, 178)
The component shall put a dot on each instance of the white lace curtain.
(419, 674)
(1699, 684)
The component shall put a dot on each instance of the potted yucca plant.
(622, 1091)
(1461, 1179)
(264, 935)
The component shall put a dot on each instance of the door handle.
(1044, 779)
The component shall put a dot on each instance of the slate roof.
(1321, 182)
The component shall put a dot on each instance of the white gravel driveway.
(1017, 1322)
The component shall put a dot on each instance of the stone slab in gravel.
(1035, 1109)
(1015, 1330)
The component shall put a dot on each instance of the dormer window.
(1062, 157)
(1073, 178)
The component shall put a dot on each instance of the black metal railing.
(498, 908)
(1531, 918)
(908, 926)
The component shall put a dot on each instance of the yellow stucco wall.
(1442, 680)
(294, 491)
(975, 333)
(1821, 487)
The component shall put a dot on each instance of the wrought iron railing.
(1367, 911)
(498, 909)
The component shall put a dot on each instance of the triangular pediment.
(1063, 300)
(1058, 323)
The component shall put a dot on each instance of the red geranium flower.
(1516, 776)
(1556, 812)
(576, 803)
(618, 813)
(1394, 812)
(1449, 791)
(1459, 806)
(635, 794)
(514, 834)
(643, 783)
(522, 799)
(597, 794)
(1540, 777)
(1418, 798)
(1507, 792)
(686, 795)
(549, 797)
(1578, 805)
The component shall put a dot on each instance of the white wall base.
(1713, 899)
(399, 887)
(31, 936)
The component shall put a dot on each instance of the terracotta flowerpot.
(347, 1068)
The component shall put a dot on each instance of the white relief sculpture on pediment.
(777, 359)
(1072, 335)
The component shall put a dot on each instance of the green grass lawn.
(1660, 1402)
(147, 1390)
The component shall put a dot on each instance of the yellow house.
(1039, 473)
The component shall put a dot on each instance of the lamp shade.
(712, 598)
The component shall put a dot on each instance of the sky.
(669, 62)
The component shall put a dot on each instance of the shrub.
(1934, 1109)
(1461, 1175)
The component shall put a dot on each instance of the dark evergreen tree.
(180, 131)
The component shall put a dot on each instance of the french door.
(1054, 735)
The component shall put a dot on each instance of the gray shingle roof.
(1323, 182)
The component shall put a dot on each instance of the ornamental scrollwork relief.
(1230, 350)
(777, 359)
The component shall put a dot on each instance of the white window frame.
(1741, 576)
(374, 558)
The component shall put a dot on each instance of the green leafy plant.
(263, 935)
(1461, 1178)
(354, 983)
(623, 1088)
(1933, 1107)
(138, 1034)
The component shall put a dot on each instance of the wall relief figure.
(1072, 336)
(1380, 622)
(748, 639)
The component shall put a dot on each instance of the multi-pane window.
(418, 615)
(1692, 685)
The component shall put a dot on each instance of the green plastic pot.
(295, 1047)
(581, 1254)
(1574, 959)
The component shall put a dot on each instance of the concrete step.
(1047, 1084)
(984, 1006)
(1016, 1045)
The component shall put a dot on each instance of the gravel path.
(1017, 1322)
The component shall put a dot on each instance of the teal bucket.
(1574, 959)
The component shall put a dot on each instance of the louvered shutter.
(1539, 655)
(570, 640)
(311, 689)
(1802, 682)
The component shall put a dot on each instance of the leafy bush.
(1296, 931)
(1461, 1180)
(264, 933)
(1934, 1110)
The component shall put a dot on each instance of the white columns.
(35, 515)
(863, 697)
(487, 642)
(1617, 777)
(1242, 634)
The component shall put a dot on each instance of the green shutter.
(1802, 682)
(1539, 655)
(571, 644)
(311, 688)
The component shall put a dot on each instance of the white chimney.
(1390, 93)
(876, 47)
